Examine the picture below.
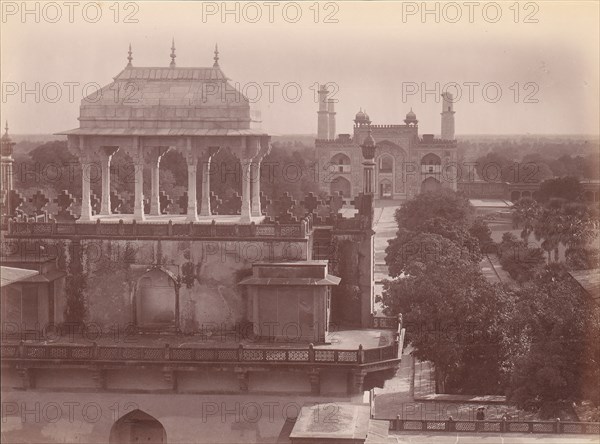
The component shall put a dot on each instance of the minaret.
(331, 117)
(216, 57)
(447, 116)
(129, 57)
(6, 161)
(172, 64)
(323, 121)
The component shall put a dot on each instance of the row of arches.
(385, 162)
(341, 185)
(385, 170)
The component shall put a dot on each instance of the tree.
(518, 259)
(456, 233)
(582, 258)
(51, 165)
(454, 319)
(558, 360)
(573, 225)
(410, 249)
(481, 231)
(567, 188)
(445, 204)
(549, 228)
(526, 213)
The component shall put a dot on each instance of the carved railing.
(495, 426)
(165, 230)
(241, 354)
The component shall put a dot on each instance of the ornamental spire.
(129, 57)
(172, 64)
(216, 57)
(6, 128)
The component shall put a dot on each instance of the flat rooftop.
(338, 340)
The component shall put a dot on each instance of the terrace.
(344, 347)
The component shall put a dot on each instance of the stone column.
(154, 185)
(245, 211)
(205, 197)
(86, 205)
(138, 161)
(249, 152)
(106, 154)
(369, 168)
(192, 166)
(155, 155)
(265, 148)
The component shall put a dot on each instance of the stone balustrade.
(196, 355)
(136, 230)
(495, 426)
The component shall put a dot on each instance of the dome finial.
(172, 64)
(216, 57)
(129, 57)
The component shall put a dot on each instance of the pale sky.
(372, 53)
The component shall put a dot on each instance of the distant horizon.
(508, 77)
(13, 135)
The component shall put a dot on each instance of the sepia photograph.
(300, 222)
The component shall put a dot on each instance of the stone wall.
(51, 417)
(207, 272)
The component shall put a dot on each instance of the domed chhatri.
(362, 118)
(411, 118)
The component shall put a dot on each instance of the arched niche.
(137, 427)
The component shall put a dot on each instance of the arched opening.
(588, 196)
(341, 163)
(156, 300)
(122, 183)
(137, 427)
(526, 194)
(340, 185)
(515, 196)
(431, 164)
(430, 185)
(385, 189)
(386, 164)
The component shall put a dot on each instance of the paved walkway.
(385, 228)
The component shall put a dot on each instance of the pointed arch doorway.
(138, 427)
